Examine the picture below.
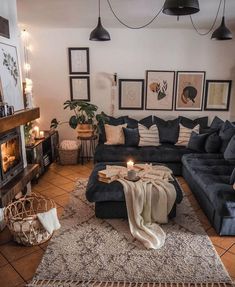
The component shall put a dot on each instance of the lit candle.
(36, 129)
(130, 165)
(41, 134)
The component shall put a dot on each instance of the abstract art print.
(189, 91)
(159, 90)
(131, 94)
(217, 95)
(79, 61)
(10, 76)
(80, 88)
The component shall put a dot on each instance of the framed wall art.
(217, 95)
(4, 28)
(10, 76)
(189, 91)
(79, 61)
(159, 90)
(131, 94)
(80, 88)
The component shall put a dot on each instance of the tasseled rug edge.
(71, 283)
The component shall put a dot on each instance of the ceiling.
(84, 13)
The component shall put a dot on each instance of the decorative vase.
(85, 130)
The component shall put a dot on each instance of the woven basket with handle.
(22, 221)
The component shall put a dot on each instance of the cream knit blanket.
(149, 201)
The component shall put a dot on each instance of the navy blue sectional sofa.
(208, 174)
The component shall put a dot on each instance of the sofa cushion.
(185, 134)
(133, 123)
(168, 130)
(114, 134)
(166, 153)
(232, 177)
(132, 136)
(229, 153)
(197, 142)
(217, 123)
(213, 143)
(188, 123)
(226, 133)
(148, 136)
(111, 121)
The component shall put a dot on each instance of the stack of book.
(111, 173)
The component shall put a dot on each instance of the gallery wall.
(129, 54)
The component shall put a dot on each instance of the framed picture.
(159, 90)
(10, 76)
(189, 91)
(1, 92)
(131, 94)
(80, 88)
(4, 28)
(79, 61)
(217, 95)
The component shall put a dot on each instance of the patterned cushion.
(148, 137)
(185, 134)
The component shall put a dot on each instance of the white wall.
(129, 53)
(8, 10)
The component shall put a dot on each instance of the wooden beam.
(18, 119)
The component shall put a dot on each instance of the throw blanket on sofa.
(149, 201)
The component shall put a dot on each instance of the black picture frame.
(203, 73)
(121, 95)
(81, 55)
(73, 95)
(4, 28)
(227, 104)
(172, 88)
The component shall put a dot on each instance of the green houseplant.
(83, 119)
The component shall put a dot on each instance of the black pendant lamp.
(99, 33)
(222, 33)
(180, 7)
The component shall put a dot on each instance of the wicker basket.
(21, 219)
(68, 157)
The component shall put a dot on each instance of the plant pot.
(85, 130)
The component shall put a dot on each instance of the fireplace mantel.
(18, 118)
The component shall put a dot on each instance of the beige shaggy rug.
(88, 251)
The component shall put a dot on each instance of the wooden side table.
(87, 148)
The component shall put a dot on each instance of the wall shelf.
(18, 118)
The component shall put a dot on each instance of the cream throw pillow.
(148, 137)
(185, 134)
(114, 134)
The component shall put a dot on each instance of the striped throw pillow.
(148, 137)
(185, 134)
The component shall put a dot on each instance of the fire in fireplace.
(11, 162)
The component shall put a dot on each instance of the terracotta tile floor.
(18, 264)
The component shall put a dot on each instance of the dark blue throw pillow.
(197, 142)
(229, 153)
(190, 124)
(131, 137)
(132, 123)
(232, 177)
(213, 143)
(216, 123)
(227, 131)
(168, 130)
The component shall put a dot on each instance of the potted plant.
(83, 119)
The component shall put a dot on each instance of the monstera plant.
(83, 119)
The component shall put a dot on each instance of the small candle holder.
(131, 173)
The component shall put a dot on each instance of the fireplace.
(11, 162)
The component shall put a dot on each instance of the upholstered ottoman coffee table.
(110, 199)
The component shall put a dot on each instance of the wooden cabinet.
(44, 151)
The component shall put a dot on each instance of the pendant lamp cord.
(99, 8)
(132, 27)
(213, 24)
